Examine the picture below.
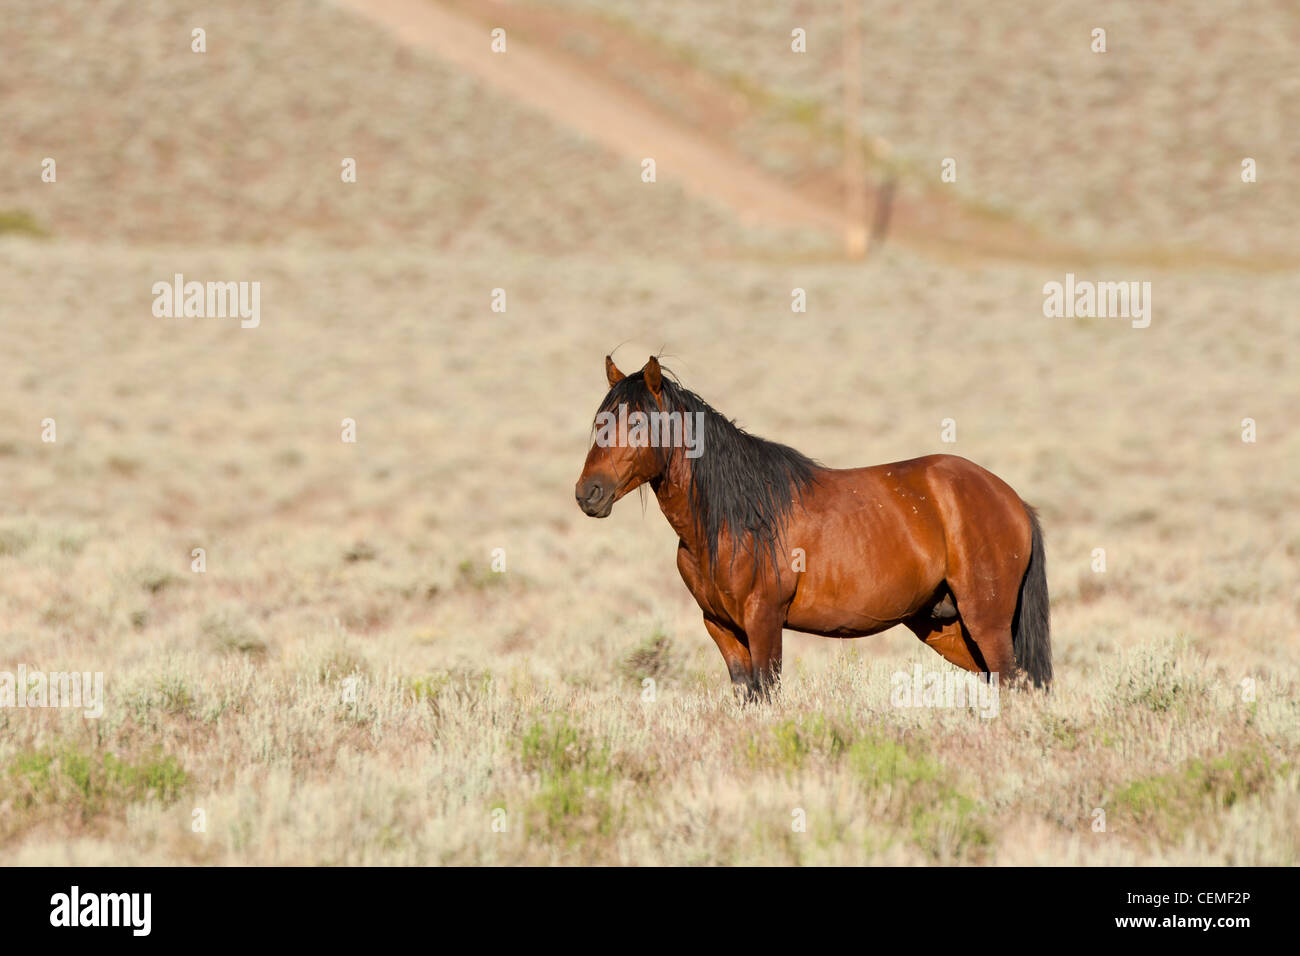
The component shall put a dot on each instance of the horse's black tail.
(1031, 631)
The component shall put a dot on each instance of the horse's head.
(616, 463)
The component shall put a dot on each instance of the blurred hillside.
(1136, 148)
(1133, 154)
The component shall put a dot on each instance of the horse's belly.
(863, 592)
(837, 623)
(834, 616)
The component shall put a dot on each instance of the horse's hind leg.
(986, 615)
(986, 566)
(949, 639)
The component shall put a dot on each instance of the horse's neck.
(673, 491)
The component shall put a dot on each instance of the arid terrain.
(414, 648)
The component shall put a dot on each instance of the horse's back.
(948, 481)
(896, 531)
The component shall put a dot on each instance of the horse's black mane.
(741, 484)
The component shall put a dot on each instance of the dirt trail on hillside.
(538, 72)
(581, 102)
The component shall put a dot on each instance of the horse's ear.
(612, 373)
(654, 376)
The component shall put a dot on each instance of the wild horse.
(771, 539)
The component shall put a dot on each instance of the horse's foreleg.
(736, 653)
(764, 631)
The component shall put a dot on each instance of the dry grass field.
(351, 681)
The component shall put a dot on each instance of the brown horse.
(771, 539)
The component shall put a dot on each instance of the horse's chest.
(712, 599)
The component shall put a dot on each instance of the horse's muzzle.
(595, 498)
